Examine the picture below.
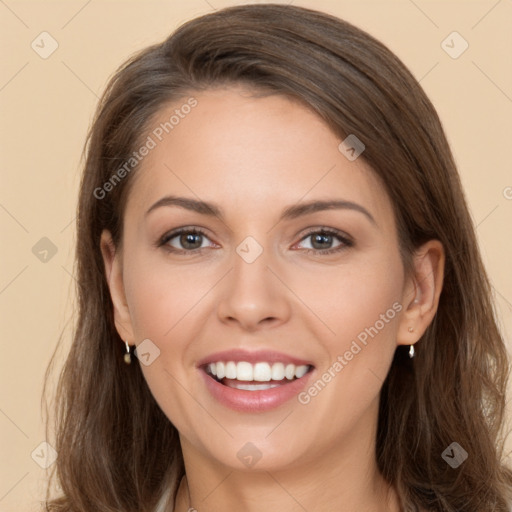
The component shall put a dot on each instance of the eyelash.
(346, 242)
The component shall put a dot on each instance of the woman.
(269, 371)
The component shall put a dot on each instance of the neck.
(344, 487)
(344, 481)
(272, 491)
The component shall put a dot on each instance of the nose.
(252, 296)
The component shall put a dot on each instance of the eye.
(322, 240)
(194, 240)
(184, 240)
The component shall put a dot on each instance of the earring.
(410, 329)
(127, 356)
(411, 351)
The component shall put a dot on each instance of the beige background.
(47, 105)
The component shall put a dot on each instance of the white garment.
(163, 501)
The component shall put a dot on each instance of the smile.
(255, 385)
(244, 375)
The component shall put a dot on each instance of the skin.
(253, 157)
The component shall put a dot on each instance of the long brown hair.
(117, 451)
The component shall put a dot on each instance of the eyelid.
(330, 231)
(162, 242)
(346, 240)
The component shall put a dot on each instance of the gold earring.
(411, 351)
(127, 356)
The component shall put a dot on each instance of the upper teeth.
(260, 371)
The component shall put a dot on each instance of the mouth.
(254, 381)
(255, 377)
(255, 386)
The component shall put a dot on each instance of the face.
(297, 301)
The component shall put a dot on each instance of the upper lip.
(252, 356)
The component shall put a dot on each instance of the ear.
(421, 292)
(114, 276)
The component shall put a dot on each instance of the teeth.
(289, 371)
(300, 371)
(261, 372)
(277, 371)
(230, 370)
(220, 369)
(244, 371)
(251, 387)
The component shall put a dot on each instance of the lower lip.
(255, 401)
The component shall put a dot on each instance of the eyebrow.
(289, 213)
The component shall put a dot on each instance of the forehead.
(248, 154)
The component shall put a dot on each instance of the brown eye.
(321, 241)
(184, 240)
(190, 240)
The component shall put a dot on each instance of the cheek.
(355, 298)
(162, 302)
(362, 307)
(161, 297)
(167, 305)
(368, 309)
